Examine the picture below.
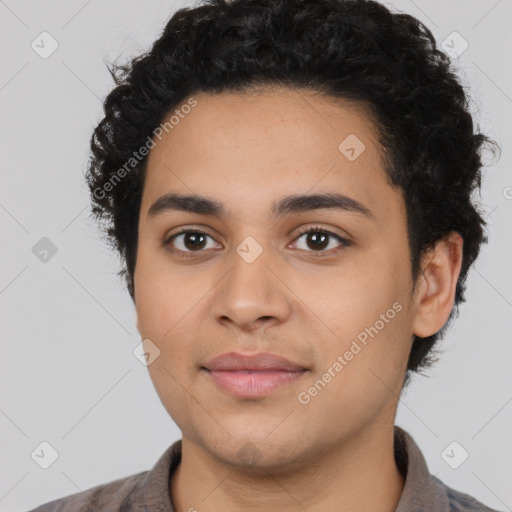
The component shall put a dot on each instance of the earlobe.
(436, 291)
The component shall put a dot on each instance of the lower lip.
(245, 384)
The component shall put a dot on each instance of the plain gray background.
(68, 373)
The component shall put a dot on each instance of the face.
(335, 301)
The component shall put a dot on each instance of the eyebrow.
(285, 206)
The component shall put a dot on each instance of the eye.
(189, 241)
(319, 239)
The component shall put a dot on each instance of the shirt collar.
(422, 491)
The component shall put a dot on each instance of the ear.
(436, 286)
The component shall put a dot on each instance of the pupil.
(315, 236)
(193, 237)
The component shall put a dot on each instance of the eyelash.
(315, 229)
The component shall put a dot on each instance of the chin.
(260, 450)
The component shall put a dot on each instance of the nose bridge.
(251, 291)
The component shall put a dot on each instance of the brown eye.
(189, 240)
(317, 240)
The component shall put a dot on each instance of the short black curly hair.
(357, 50)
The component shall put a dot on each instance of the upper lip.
(262, 361)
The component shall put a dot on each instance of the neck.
(360, 474)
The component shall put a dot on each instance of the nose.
(251, 296)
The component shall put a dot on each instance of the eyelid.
(196, 228)
(344, 242)
(167, 239)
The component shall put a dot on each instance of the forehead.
(249, 149)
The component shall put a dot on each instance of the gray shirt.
(149, 490)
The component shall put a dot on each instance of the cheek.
(352, 298)
(169, 308)
(366, 313)
(358, 379)
(171, 384)
(162, 297)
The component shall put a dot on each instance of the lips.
(233, 361)
(252, 376)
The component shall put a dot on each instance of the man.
(289, 185)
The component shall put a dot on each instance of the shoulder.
(462, 502)
(133, 493)
(109, 496)
(422, 490)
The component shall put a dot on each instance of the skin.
(246, 151)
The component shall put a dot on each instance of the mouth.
(252, 383)
(252, 375)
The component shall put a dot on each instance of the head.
(250, 104)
